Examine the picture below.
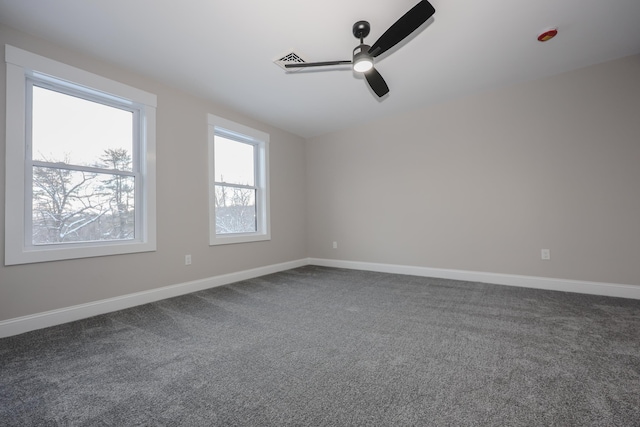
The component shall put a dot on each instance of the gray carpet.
(330, 347)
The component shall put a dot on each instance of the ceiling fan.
(363, 54)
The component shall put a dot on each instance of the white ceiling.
(224, 50)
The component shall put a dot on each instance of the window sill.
(66, 252)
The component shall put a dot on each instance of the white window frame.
(23, 66)
(260, 140)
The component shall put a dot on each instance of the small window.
(239, 197)
(78, 157)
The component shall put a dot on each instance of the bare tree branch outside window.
(78, 206)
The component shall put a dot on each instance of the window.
(238, 183)
(80, 163)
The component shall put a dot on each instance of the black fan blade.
(314, 64)
(376, 82)
(404, 26)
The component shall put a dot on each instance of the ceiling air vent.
(287, 59)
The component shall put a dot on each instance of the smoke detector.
(547, 34)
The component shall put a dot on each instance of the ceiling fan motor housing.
(362, 61)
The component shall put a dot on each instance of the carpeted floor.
(318, 346)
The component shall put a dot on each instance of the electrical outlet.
(545, 254)
(187, 260)
(335, 245)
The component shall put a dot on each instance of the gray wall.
(485, 182)
(182, 205)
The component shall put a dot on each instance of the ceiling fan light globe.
(363, 65)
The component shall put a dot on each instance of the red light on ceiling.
(547, 34)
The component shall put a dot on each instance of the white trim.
(563, 285)
(32, 322)
(236, 129)
(14, 165)
(44, 67)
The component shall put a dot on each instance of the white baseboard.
(32, 322)
(564, 285)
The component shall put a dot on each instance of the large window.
(80, 171)
(238, 183)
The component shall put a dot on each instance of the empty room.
(397, 213)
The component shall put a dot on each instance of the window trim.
(23, 65)
(241, 133)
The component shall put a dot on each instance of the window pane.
(233, 161)
(75, 131)
(235, 210)
(74, 206)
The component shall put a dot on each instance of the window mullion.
(66, 166)
(225, 184)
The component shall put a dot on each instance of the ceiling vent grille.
(287, 59)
